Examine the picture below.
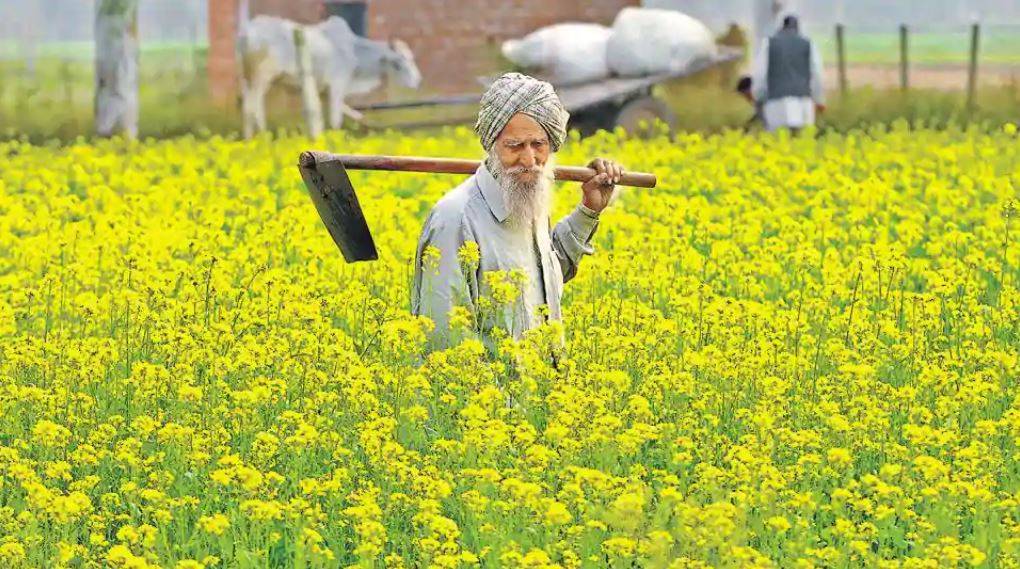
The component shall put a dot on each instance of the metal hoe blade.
(337, 204)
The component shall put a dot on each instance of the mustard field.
(795, 352)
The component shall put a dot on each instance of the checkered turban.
(518, 93)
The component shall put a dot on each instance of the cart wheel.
(638, 116)
(594, 118)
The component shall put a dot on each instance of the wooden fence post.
(904, 61)
(975, 38)
(116, 64)
(309, 93)
(841, 59)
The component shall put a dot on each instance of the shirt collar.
(492, 193)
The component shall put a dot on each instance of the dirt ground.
(944, 76)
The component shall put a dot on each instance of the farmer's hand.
(599, 189)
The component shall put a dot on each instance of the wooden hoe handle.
(456, 166)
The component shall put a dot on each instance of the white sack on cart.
(647, 41)
(563, 53)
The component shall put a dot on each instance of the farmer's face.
(522, 148)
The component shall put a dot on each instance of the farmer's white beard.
(526, 200)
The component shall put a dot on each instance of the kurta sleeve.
(817, 88)
(571, 239)
(760, 73)
(439, 281)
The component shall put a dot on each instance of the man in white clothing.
(787, 79)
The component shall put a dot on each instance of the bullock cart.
(602, 104)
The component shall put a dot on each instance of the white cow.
(342, 63)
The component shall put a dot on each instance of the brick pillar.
(221, 66)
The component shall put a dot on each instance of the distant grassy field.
(998, 45)
(55, 102)
(55, 98)
(84, 49)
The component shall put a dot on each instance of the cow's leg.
(248, 111)
(351, 111)
(336, 103)
(253, 106)
(259, 89)
(256, 74)
(338, 108)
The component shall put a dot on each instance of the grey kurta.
(476, 211)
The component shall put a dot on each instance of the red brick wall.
(304, 11)
(456, 40)
(221, 63)
(453, 40)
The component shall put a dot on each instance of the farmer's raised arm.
(571, 238)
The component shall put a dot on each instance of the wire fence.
(908, 56)
(863, 15)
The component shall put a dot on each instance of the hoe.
(325, 175)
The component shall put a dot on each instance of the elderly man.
(787, 79)
(496, 223)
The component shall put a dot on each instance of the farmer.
(504, 209)
(787, 79)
